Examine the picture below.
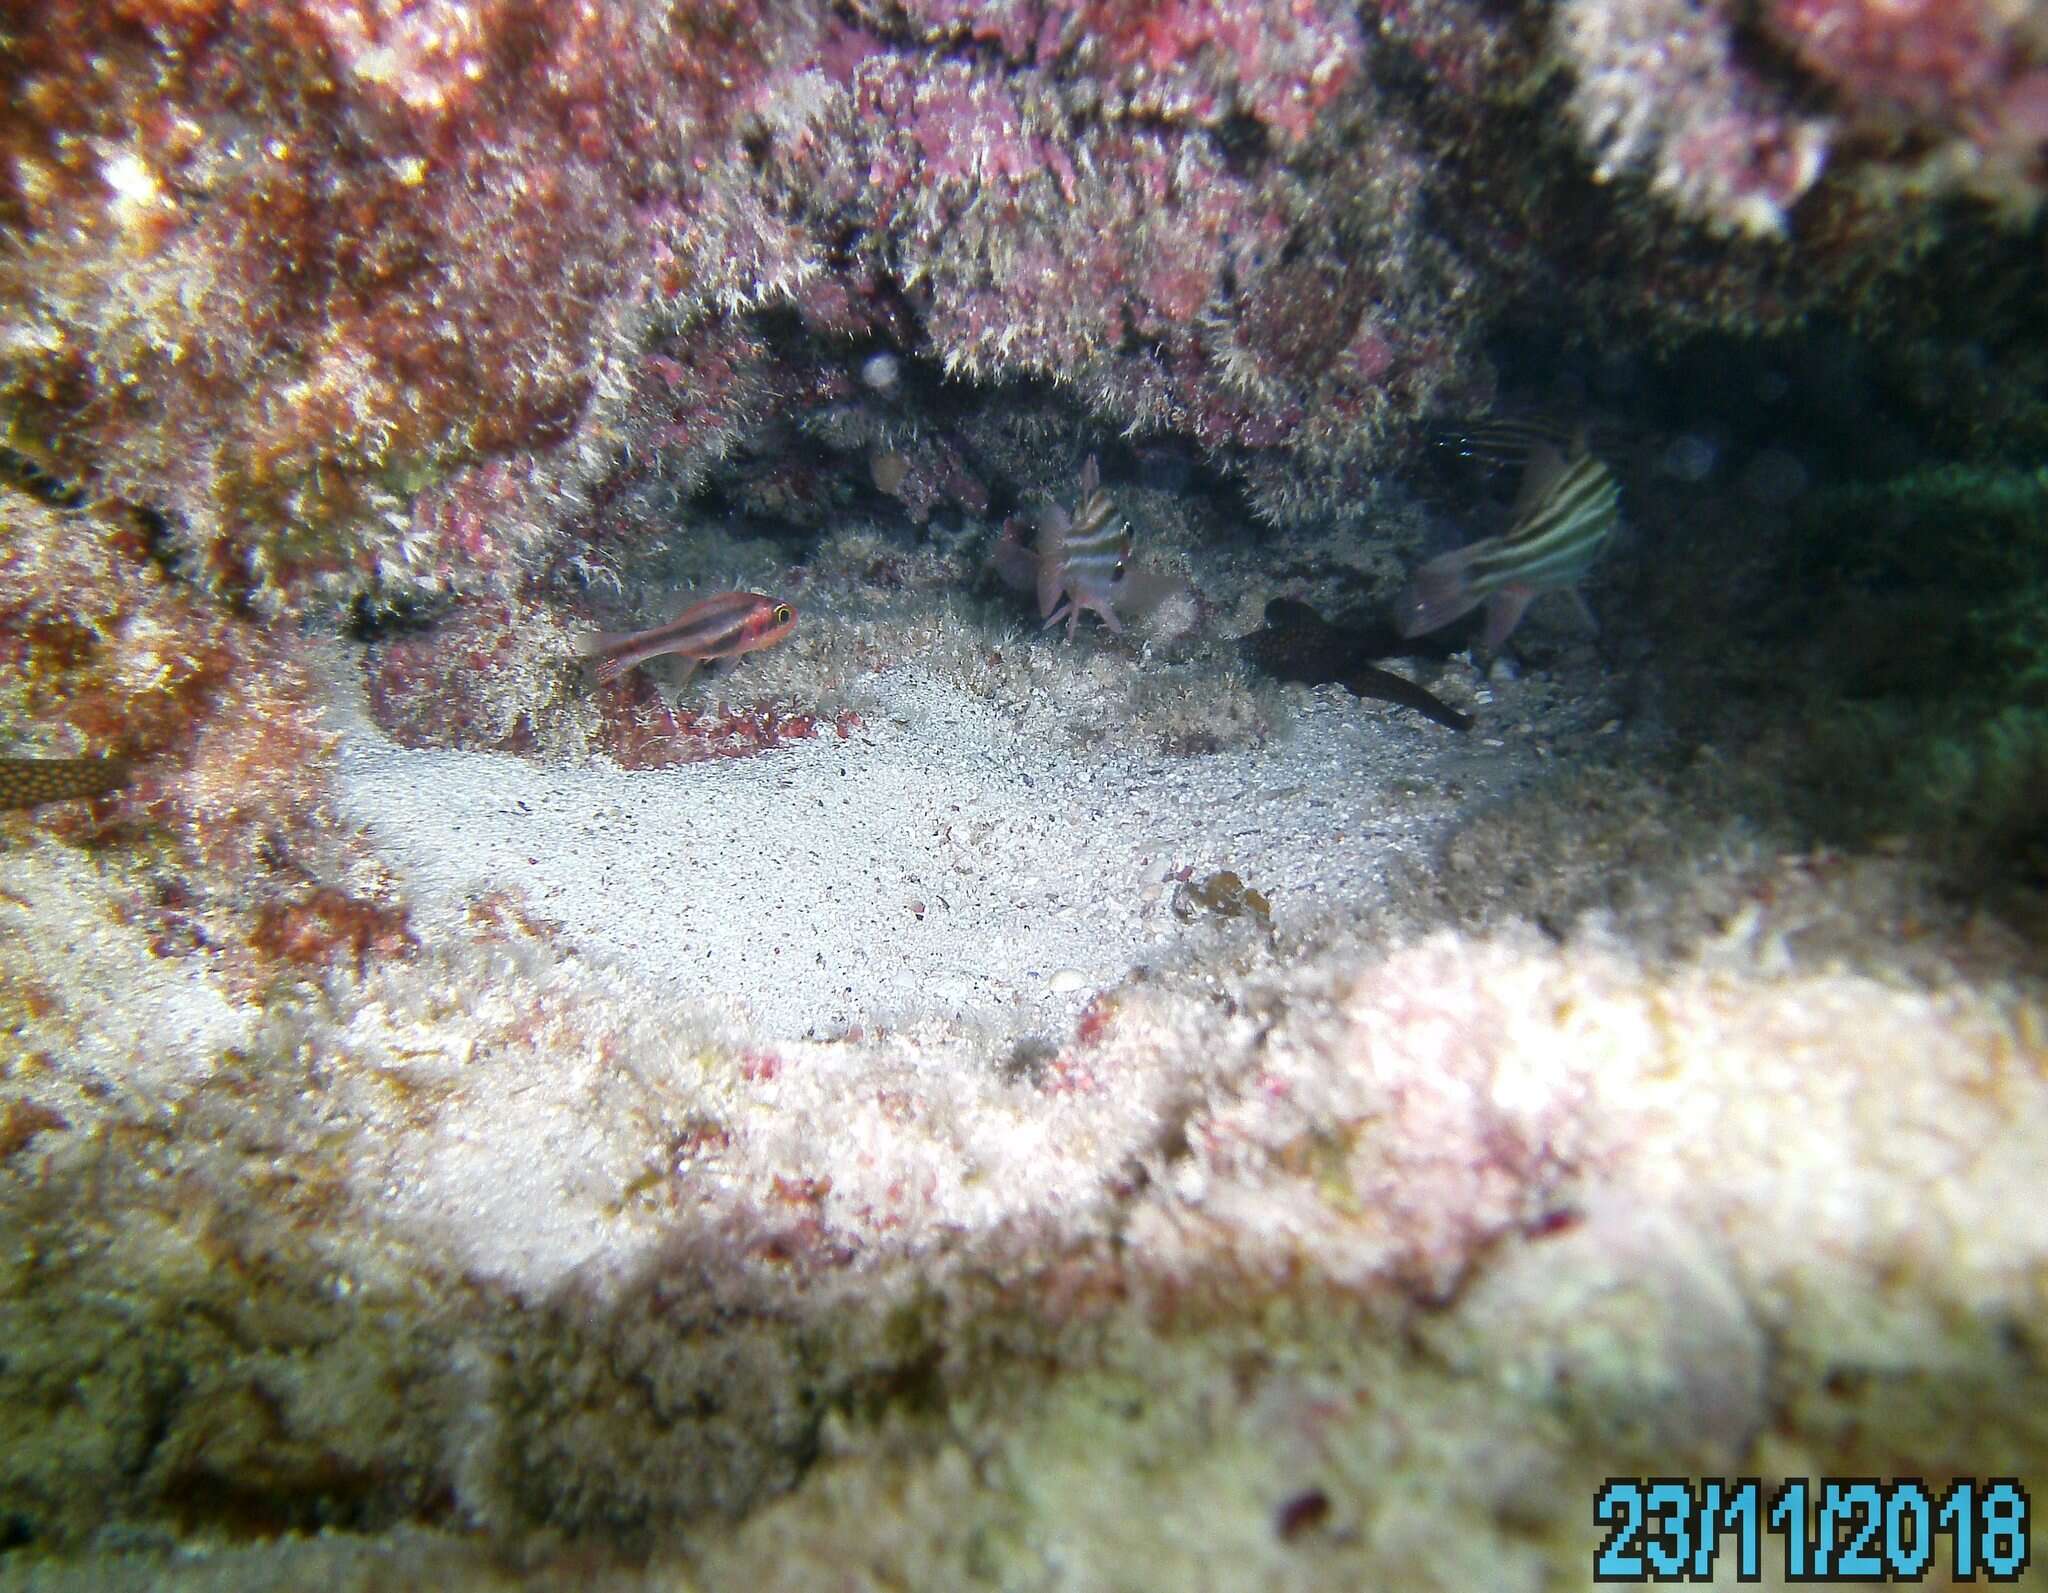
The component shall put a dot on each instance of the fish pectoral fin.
(1439, 592)
(1503, 613)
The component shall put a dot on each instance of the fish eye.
(784, 614)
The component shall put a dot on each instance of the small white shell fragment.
(1066, 981)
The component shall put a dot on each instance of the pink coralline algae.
(283, 268)
(1280, 63)
(1185, 254)
(387, 299)
(1659, 87)
(1965, 79)
(503, 675)
(1199, 62)
(647, 734)
(279, 267)
(1901, 97)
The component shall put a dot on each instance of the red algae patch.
(311, 929)
(651, 735)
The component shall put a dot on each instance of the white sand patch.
(938, 866)
(94, 971)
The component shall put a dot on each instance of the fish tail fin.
(1440, 592)
(609, 653)
(1016, 564)
(597, 644)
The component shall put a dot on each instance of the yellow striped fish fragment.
(1566, 511)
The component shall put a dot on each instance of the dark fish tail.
(1386, 686)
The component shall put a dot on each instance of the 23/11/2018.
(1850, 1529)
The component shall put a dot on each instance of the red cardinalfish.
(724, 626)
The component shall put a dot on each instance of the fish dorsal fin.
(1091, 478)
(1545, 468)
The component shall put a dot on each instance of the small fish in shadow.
(30, 782)
(1297, 643)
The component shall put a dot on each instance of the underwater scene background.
(1178, 794)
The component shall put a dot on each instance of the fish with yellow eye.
(30, 782)
(724, 626)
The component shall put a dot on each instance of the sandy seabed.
(845, 1167)
(934, 867)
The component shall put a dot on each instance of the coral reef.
(108, 653)
(283, 268)
(939, 1105)
(1949, 96)
(392, 305)
(1922, 99)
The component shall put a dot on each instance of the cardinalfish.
(1081, 559)
(30, 782)
(1564, 513)
(724, 626)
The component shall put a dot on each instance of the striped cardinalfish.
(1563, 516)
(1082, 558)
(724, 626)
(29, 782)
